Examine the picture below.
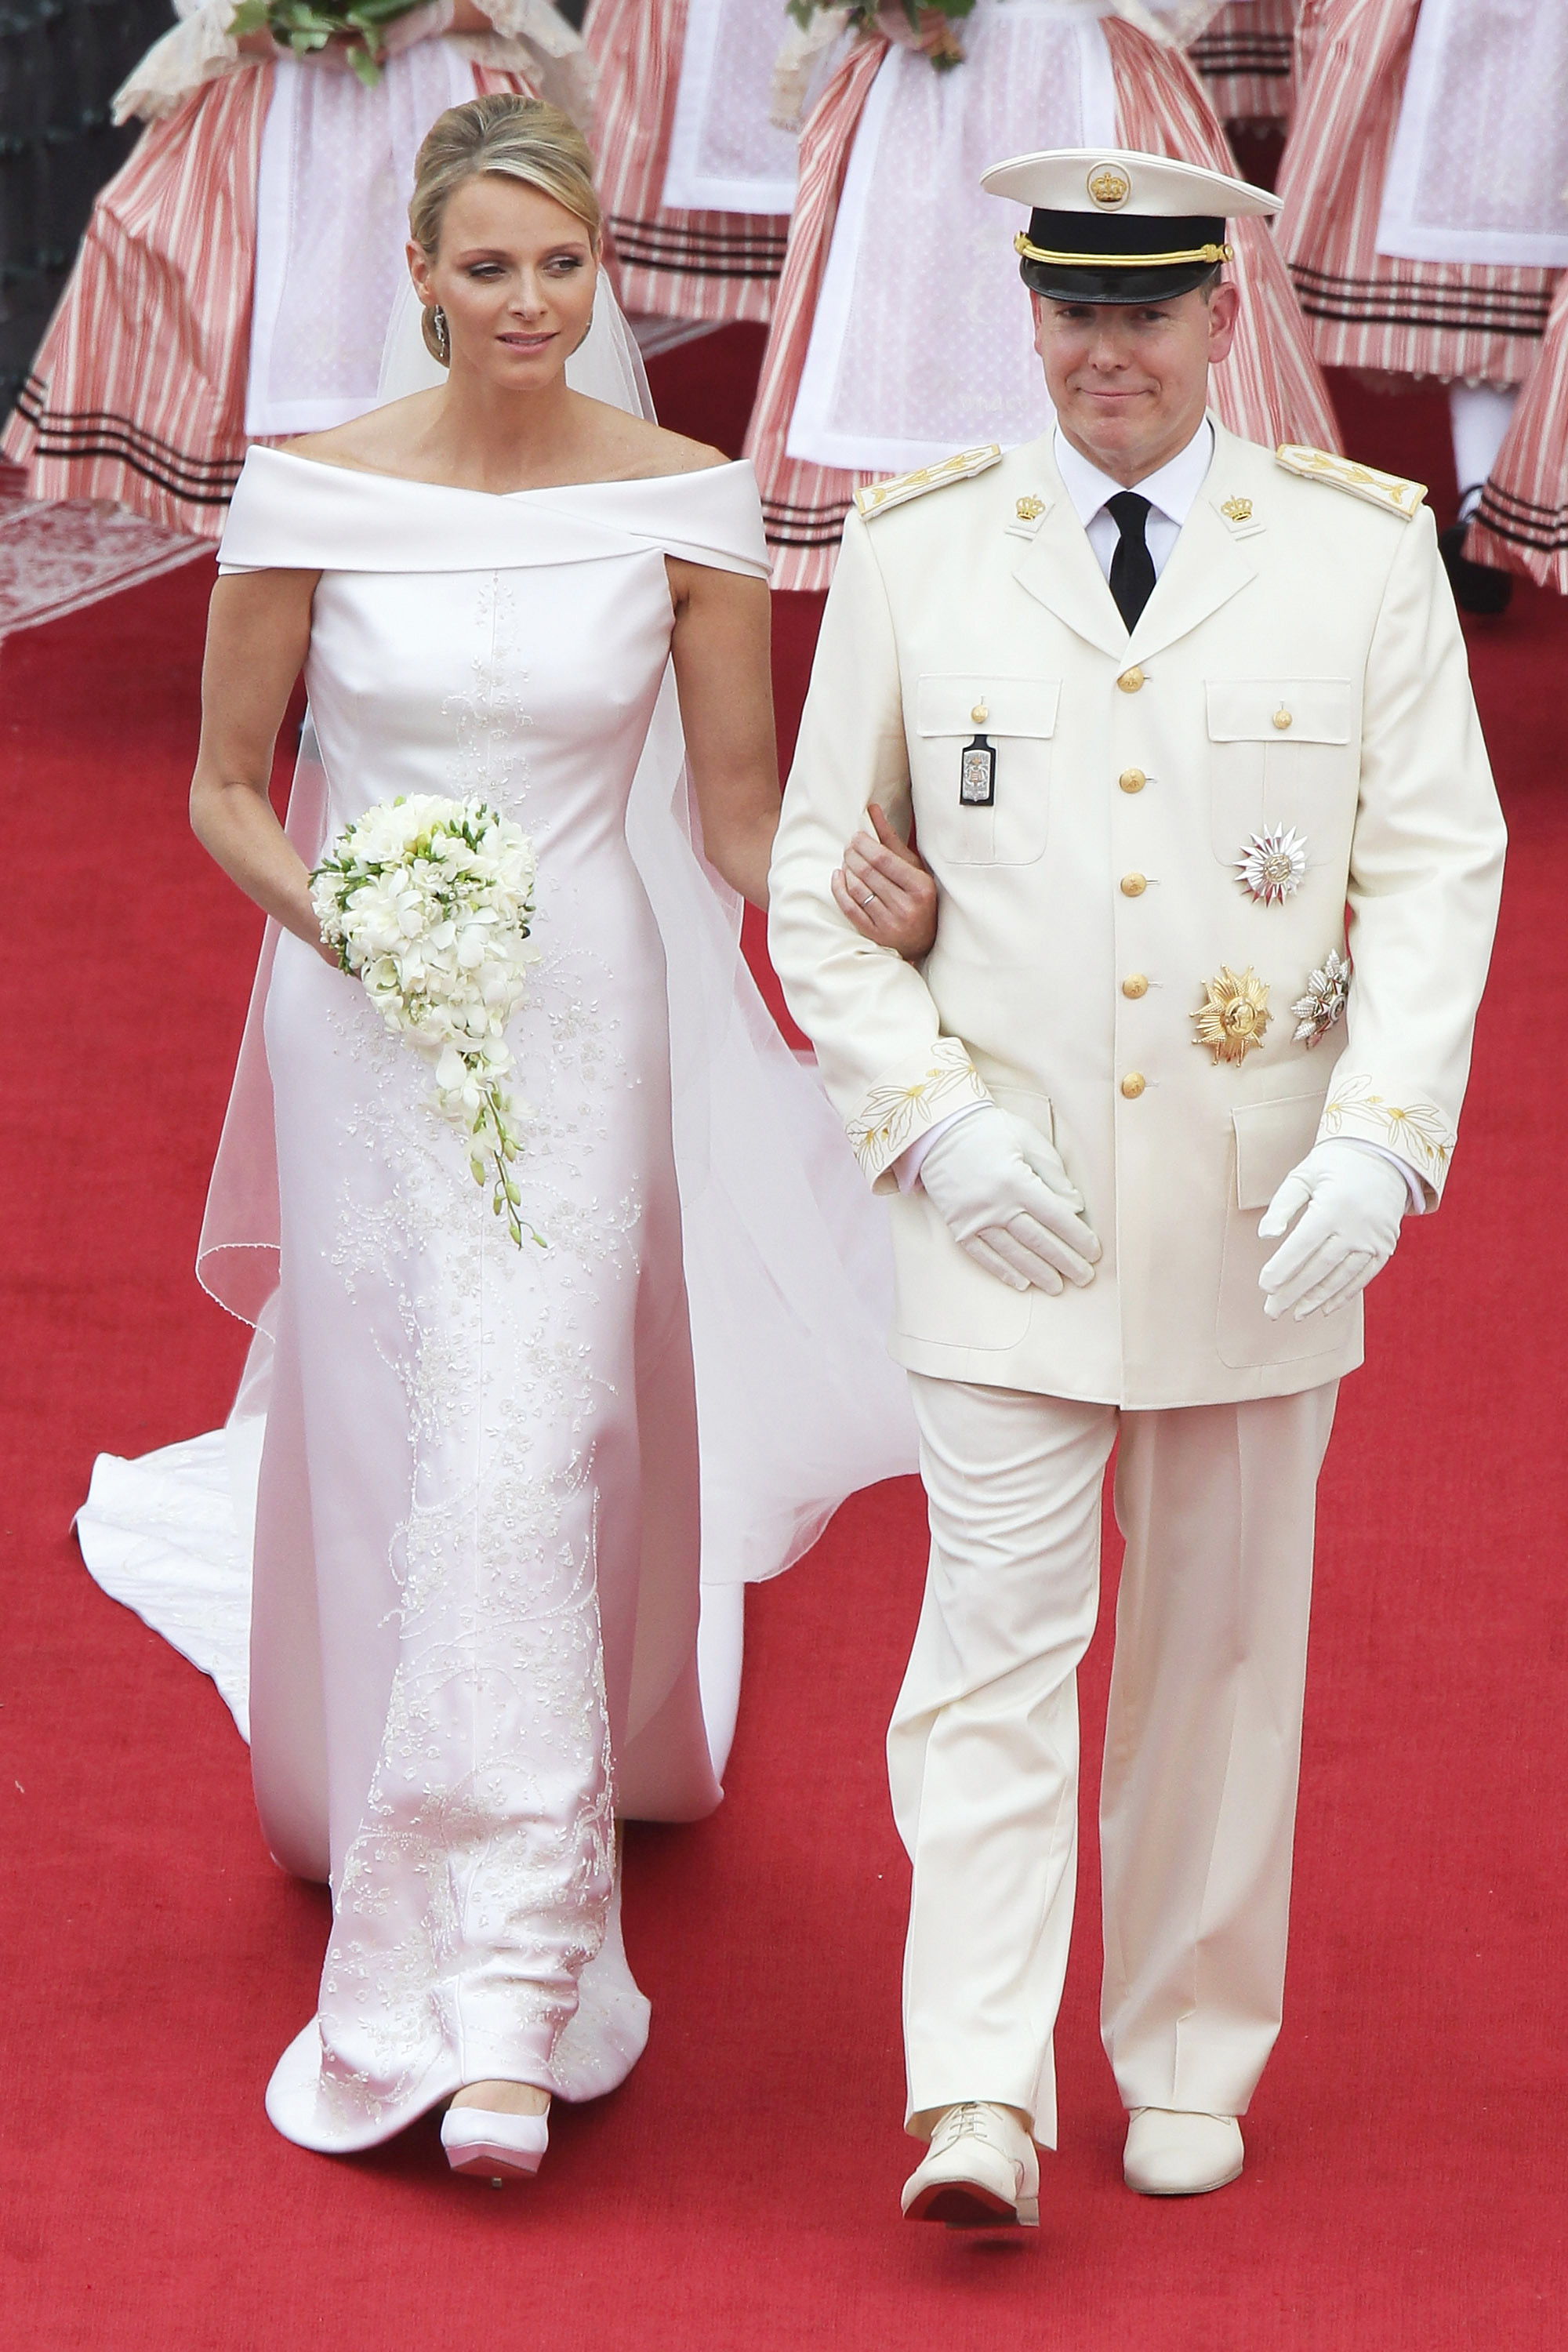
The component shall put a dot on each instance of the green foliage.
(863, 13)
(306, 25)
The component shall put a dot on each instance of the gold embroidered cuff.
(898, 1110)
(1415, 1128)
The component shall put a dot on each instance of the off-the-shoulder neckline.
(540, 491)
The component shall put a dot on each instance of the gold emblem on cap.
(1237, 510)
(1109, 187)
(1234, 1014)
(1030, 508)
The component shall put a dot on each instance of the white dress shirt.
(1170, 491)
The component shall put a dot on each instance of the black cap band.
(1118, 257)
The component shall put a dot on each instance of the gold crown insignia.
(1109, 187)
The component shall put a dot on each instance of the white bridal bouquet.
(430, 901)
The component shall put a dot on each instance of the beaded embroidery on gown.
(478, 1529)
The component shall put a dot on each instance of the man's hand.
(1354, 1199)
(887, 890)
(1008, 1202)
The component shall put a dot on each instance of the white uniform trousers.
(1202, 1750)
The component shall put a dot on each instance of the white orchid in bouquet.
(429, 902)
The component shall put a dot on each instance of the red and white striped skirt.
(1268, 390)
(137, 395)
(1521, 524)
(1247, 56)
(673, 265)
(1366, 308)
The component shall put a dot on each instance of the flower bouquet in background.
(931, 22)
(429, 902)
(304, 26)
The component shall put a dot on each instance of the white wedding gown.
(481, 1514)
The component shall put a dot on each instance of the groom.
(1161, 705)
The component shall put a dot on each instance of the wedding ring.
(869, 899)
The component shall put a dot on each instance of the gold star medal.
(1234, 1014)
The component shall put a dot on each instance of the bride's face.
(514, 273)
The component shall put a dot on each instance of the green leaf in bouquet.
(370, 14)
(364, 65)
(250, 17)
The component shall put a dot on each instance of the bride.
(478, 1524)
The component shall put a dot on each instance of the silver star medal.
(1272, 866)
(1324, 1002)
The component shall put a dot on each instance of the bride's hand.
(886, 890)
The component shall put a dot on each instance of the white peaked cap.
(1120, 180)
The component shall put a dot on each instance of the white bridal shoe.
(981, 2171)
(1171, 2154)
(494, 2146)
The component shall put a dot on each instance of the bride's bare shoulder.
(372, 442)
(633, 449)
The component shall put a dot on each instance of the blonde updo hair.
(499, 136)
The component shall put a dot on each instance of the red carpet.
(1405, 2188)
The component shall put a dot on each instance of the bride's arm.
(725, 683)
(258, 632)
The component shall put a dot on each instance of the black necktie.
(1132, 566)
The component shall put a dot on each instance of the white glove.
(1353, 1199)
(1008, 1202)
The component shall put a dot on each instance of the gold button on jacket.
(1330, 607)
(1133, 885)
(1131, 780)
(1134, 1084)
(1134, 985)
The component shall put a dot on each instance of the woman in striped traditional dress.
(1425, 227)
(883, 353)
(1246, 54)
(698, 181)
(1521, 520)
(237, 274)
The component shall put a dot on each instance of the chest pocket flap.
(1014, 706)
(1280, 710)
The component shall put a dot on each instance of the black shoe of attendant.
(1478, 587)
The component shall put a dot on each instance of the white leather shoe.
(981, 2171)
(1171, 2154)
(493, 2147)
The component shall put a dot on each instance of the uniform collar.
(1173, 488)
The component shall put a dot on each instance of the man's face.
(1130, 381)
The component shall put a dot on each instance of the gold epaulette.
(1391, 491)
(876, 495)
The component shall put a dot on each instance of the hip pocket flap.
(1270, 1138)
(1280, 710)
(996, 705)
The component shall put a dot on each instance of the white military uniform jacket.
(1300, 664)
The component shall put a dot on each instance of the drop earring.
(443, 336)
